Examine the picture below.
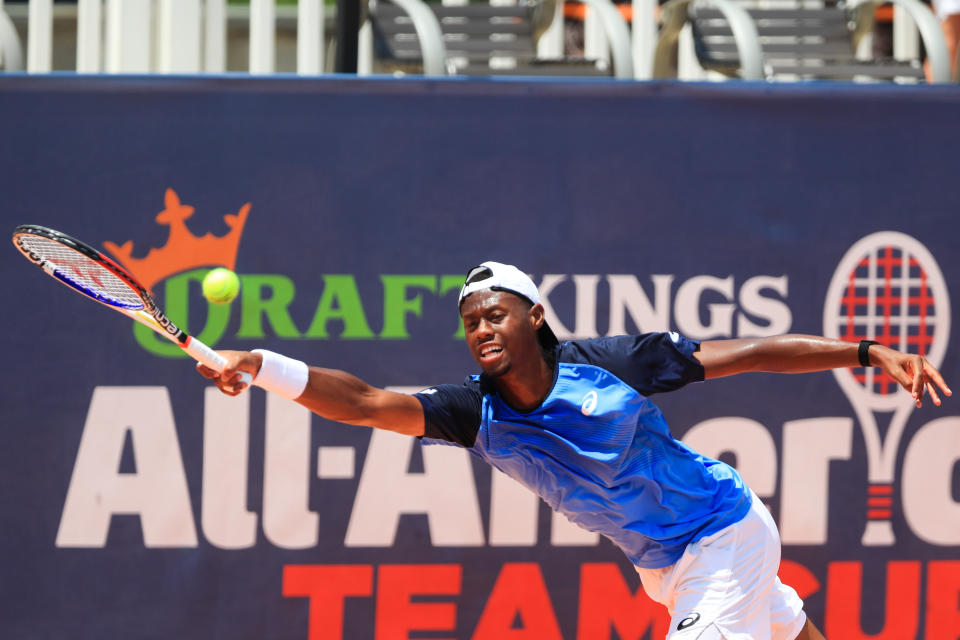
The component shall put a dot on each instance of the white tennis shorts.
(725, 586)
(944, 8)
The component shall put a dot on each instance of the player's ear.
(537, 315)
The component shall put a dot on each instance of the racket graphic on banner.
(887, 288)
(87, 271)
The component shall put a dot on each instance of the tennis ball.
(221, 286)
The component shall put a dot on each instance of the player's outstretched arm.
(332, 394)
(801, 353)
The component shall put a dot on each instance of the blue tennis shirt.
(597, 449)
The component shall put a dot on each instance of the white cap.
(506, 277)
(499, 277)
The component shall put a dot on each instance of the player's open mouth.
(490, 352)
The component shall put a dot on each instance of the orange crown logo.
(183, 250)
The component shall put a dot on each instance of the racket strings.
(83, 273)
(889, 299)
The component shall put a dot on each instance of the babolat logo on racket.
(887, 288)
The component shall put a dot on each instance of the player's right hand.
(913, 372)
(228, 380)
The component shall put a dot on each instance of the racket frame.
(150, 314)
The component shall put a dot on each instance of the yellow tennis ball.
(221, 286)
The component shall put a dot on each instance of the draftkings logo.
(357, 307)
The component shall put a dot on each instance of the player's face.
(501, 330)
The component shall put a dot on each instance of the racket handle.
(207, 356)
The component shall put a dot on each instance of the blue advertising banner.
(139, 502)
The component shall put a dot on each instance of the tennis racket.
(87, 271)
(887, 288)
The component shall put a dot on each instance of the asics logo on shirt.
(589, 403)
(688, 622)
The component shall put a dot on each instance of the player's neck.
(526, 387)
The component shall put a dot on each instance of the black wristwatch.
(863, 352)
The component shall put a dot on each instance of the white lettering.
(775, 312)
(687, 308)
(763, 310)
(928, 467)
(226, 441)
(287, 519)
(585, 322)
(627, 296)
(585, 304)
(445, 492)
(808, 447)
(157, 492)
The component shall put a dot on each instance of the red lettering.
(943, 600)
(327, 586)
(519, 590)
(902, 603)
(606, 601)
(398, 615)
(799, 577)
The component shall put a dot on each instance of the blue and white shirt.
(597, 449)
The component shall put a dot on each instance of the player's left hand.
(913, 372)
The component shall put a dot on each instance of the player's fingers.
(229, 369)
(237, 362)
(917, 386)
(231, 385)
(207, 372)
(934, 375)
(898, 371)
(909, 383)
(933, 394)
(231, 360)
(237, 382)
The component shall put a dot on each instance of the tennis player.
(574, 423)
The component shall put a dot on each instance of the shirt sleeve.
(451, 413)
(650, 363)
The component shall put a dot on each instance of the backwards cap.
(506, 277)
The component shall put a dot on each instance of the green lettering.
(396, 304)
(176, 306)
(257, 304)
(340, 301)
(454, 283)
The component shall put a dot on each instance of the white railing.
(190, 36)
(164, 36)
(11, 56)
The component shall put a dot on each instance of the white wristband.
(283, 376)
